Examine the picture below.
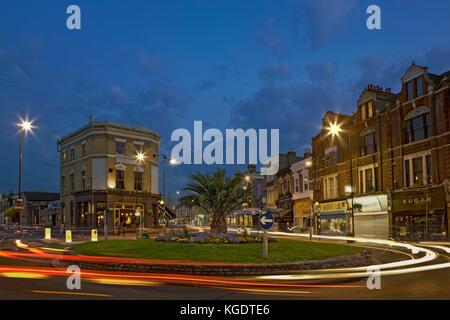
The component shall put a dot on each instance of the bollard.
(48, 233)
(68, 236)
(94, 235)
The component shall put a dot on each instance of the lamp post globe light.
(27, 126)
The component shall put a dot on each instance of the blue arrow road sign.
(266, 220)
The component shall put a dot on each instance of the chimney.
(90, 119)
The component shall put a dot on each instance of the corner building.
(100, 172)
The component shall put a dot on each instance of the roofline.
(113, 124)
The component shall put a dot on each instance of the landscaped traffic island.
(281, 251)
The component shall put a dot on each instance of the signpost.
(138, 214)
(19, 206)
(266, 221)
(316, 211)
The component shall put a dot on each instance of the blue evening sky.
(232, 64)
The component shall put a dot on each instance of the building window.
(63, 184)
(429, 175)
(418, 128)
(409, 91)
(137, 148)
(368, 179)
(120, 179)
(331, 187)
(300, 180)
(370, 109)
(363, 112)
(120, 147)
(419, 90)
(407, 174)
(368, 144)
(83, 180)
(83, 149)
(72, 154)
(72, 182)
(64, 155)
(297, 187)
(138, 181)
(418, 171)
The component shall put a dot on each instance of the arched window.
(417, 124)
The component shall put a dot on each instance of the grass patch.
(280, 251)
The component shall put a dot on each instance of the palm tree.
(217, 195)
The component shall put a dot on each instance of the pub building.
(411, 210)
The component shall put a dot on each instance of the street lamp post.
(25, 125)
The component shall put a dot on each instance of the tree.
(10, 212)
(217, 195)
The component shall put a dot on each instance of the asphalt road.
(18, 280)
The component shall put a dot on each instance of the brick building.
(109, 168)
(384, 171)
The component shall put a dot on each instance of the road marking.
(438, 247)
(74, 293)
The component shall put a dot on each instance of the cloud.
(149, 65)
(296, 109)
(275, 72)
(325, 19)
(206, 85)
(324, 71)
(269, 36)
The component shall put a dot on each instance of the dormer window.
(409, 90)
(363, 112)
(414, 88)
(370, 109)
(419, 91)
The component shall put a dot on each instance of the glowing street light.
(27, 126)
(334, 129)
(140, 157)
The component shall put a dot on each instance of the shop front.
(246, 218)
(302, 210)
(370, 216)
(332, 218)
(420, 214)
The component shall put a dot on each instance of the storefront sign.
(418, 200)
(369, 203)
(336, 206)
